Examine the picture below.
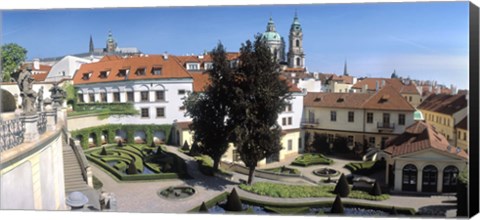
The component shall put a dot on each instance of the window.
(333, 116)
(160, 95)
(192, 66)
(371, 141)
(80, 98)
(208, 66)
(86, 76)
(298, 61)
(122, 73)
(464, 136)
(409, 178)
(144, 96)
(288, 108)
(350, 140)
(369, 117)
(160, 112)
(290, 145)
(182, 108)
(409, 98)
(444, 121)
(181, 91)
(116, 97)
(157, 71)
(130, 97)
(91, 97)
(297, 43)
(289, 120)
(284, 121)
(401, 119)
(384, 141)
(233, 63)
(103, 74)
(351, 116)
(103, 97)
(330, 138)
(141, 71)
(145, 113)
(236, 156)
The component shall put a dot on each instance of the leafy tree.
(71, 94)
(209, 110)
(259, 96)
(12, 57)
(320, 143)
(342, 189)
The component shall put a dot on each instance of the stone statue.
(40, 99)
(25, 83)
(57, 95)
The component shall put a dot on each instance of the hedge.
(129, 128)
(311, 159)
(365, 168)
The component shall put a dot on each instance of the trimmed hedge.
(311, 159)
(365, 168)
(129, 128)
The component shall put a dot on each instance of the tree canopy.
(12, 57)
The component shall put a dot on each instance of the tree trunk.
(216, 163)
(251, 171)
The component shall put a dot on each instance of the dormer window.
(104, 74)
(193, 66)
(122, 72)
(233, 63)
(208, 66)
(157, 70)
(141, 71)
(86, 76)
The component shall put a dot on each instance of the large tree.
(12, 57)
(260, 95)
(209, 110)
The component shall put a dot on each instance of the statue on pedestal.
(40, 99)
(57, 95)
(25, 83)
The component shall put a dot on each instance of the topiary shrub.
(119, 143)
(8, 101)
(194, 151)
(337, 206)
(153, 145)
(342, 189)
(393, 211)
(131, 168)
(185, 146)
(233, 202)
(376, 191)
(203, 208)
(103, 152)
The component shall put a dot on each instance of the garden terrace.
(304, 191)
(310, 159)
(150, 163)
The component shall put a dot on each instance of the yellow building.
(462, 134)
(444, 112)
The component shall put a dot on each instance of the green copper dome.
(271, 34)
(418, 116)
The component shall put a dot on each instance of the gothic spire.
(345, 72)
(91, 47)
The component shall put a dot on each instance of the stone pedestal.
(31, 129)
(51, 120)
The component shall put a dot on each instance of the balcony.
(310, 122)
(383, 126)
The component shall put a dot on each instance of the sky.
(426, 41)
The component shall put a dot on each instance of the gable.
(430, 154)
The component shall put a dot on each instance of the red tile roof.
(201, 59)
(418, 137)
(385, 99)
(372, 83)
(39, 77)
(409, 89)
(342, 79)
(183, 125)
(443, 103)
(170, 68)
(200, 81)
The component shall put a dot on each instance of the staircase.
(73, 174)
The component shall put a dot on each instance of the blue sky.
(426, 41)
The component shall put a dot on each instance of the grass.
(311, 159)
(300, 191)
(206, 165)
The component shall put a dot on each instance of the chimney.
(376, 85)
(365, 88)
(383, 83)
(36, 63)
(165, 55)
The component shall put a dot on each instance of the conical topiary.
(103, 152)
(337, 206)
(153, 145)
(233, 202)
(342, 189)
(203, 208)
(376, 191)
(131, 168)
(194, 151)
(393, 211)
(185, 146)
(119, 143)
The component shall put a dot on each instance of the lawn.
(311, 159)
(301, 191)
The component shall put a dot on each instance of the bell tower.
(296, 57)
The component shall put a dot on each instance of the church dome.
(271, 34)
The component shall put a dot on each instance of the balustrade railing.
(11, 133)
(42, 122)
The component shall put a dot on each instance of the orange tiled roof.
(170, 68)
(39, 77)
(342, 78)
(388, 99)
(201, 59)
(443, 103)
(200, 81)
(409, 89)
(372, 83)
(421, 136)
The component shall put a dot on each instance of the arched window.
(429, 179)
(409, 178)
(298, 61)
(450, 174)
(297, 43)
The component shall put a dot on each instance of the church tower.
(296, 57)
(91, 47)
(111, 44)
